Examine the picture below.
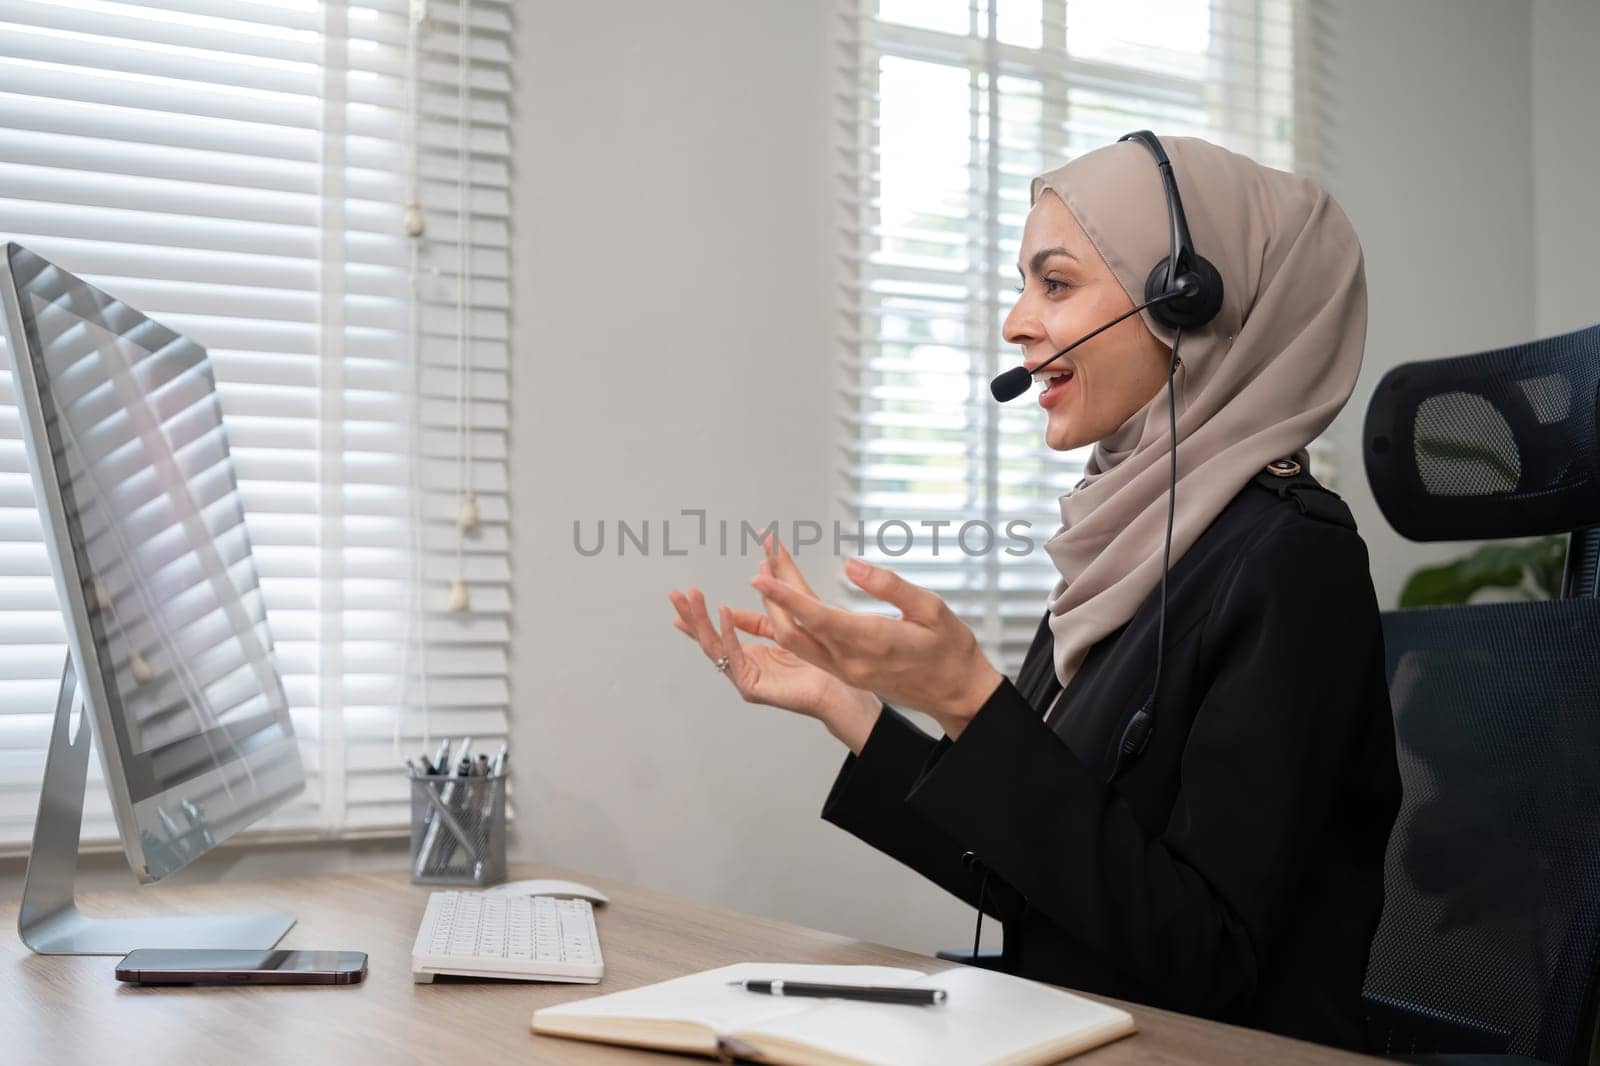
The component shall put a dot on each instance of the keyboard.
(532, 938)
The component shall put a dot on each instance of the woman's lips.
(1055, 391)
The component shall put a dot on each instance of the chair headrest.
(1497, 444)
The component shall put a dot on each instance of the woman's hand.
(927, 658)
(771, 675)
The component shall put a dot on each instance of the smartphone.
(208, 966)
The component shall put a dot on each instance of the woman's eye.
(1048, 283)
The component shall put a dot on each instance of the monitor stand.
(50, 922)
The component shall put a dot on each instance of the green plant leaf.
(1539, 563)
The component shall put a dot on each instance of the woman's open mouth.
(1055, 387)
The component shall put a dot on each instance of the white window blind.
(240, 170)
(949, 109)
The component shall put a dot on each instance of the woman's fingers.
(704, 628)
(775, 625)
(692, 609)
(784, 567)
(794, 606)
(916, 603)
(682, 623)
(787, 618)
(733, 650)
(753, 622)
(775, 614)
(851, 642)
(786, 633)
(694, 623)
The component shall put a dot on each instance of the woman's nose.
(1019, 326)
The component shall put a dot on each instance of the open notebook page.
(989, 1018)
(707, 998)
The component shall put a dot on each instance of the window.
(950, 108)
(241, 170)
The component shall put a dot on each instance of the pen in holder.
(458, 829)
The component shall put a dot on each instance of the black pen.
(919, 997)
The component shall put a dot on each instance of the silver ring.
(722, 664)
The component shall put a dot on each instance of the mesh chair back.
(1492, 885)
(1498, 444)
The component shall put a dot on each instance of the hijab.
(1257, 383)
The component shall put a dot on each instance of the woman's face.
(1067, 291)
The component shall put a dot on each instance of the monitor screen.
(176, 663)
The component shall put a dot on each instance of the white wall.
(1566, 151)
(673, 263)
(1429, 152)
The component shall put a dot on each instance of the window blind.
(241, 170)
(948, 109)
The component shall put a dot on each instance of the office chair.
(1491, 921)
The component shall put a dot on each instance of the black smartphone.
(209, 966)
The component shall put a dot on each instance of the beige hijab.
(1257, 383)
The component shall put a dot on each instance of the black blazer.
(1235, 869)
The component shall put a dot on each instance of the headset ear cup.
(1186, 312)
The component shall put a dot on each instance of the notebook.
(989, 1018)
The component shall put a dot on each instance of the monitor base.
(72, 933)
(49, 920)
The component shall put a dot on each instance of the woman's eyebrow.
(1044, 254)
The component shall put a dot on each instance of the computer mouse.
(550, 887)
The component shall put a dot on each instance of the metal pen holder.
(458, 829)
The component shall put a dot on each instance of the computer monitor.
(165, 619)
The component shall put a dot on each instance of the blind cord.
(467, 514)
(415, 227)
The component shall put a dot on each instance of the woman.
(1234, 867)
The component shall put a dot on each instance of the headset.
(1184, 271)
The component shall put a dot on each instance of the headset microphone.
(1014, 382)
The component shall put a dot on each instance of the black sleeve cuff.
(868, 800)
(889, 764)
(1006, 766)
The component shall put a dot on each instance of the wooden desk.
(70, 1009)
